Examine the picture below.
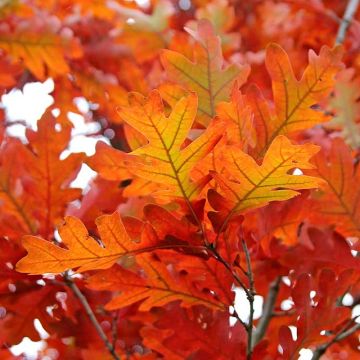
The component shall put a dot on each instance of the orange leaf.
(163, 160)
(159, 287)
(294, 99)
(34, 181)
(240, 127)
(40, 50)
(346, 106)
(206, 75)
(83, 252)
(249, 185)
(338, 202)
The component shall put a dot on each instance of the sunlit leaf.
(163, 160)
(294, 99)
(248, 185)
(83, 252)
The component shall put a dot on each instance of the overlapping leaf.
(345, 104)
(35, 182)
(83, 252)
(160, 286)
(163, 160)
(338, 202)
(23, 310)
(39, 51)
(209, 335)
(240, 127)
(321, 313)
(111, 164)
(294, 100)
(248, 185)
(206, 75)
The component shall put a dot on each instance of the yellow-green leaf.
(164, 160)
(207, 75)
(248, 185)
(294, 99)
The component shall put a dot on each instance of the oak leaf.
(35, 182)
(83, 252)
(160, 286)
(206, 75)
(41, 51)
(337, 203)
(346, 106)
(294, 99)
(317, 314)
(163, 160)
(248, 185)
(209, 335)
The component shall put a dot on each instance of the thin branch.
(268, 311)
(342, 334)
(250, 297)
(283, 313)
(114, 329)
(237, 279)
(348, 332)
(70, 283)
(346, 20)
(236, 315)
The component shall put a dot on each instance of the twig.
(114, 329)
(283, 313)
(70, 283)
(345, 332)
(250, 296)
(268, 311)
(346, 20)
(236, 315)
(237, 279)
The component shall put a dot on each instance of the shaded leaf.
(338, 201)
(160, 286)
(208, 336)
(207, 75)
(41, 51)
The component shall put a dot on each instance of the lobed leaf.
(159, 287)
(206, 75)
(338, 202)
(163, 160)
(82, 251)
(39, 51)
(34, 182)
(294, 99)
(247, 185)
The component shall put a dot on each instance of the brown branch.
(235, 314)
(346, 20)
(70, 283)
(114, 329)
(236, 277)
(346, 331)
(268, 311)
(251, 297)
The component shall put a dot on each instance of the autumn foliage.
(228, 165)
